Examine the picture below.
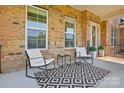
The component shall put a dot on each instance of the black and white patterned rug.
(72, 76)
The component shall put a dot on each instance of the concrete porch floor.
(112, 59)
(19, 80)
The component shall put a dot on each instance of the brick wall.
(121, 36)
(12, 32)
(12, 24)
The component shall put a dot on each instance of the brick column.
(103, 36)
(103, 32)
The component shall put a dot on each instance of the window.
(36, 28)
(70, 32)
(114, 37)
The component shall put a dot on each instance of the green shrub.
(93, 48)
(101, 47)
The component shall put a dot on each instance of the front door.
(94, 34)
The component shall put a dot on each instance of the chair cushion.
(87, 56)
(81, 52)
(37, 62)
(36, 58)
(40, 61)
(34, 53)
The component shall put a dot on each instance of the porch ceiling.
(104, 11)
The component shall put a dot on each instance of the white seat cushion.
(86, 56)
(34, 53)
(36, 58)
(37, 62)
(40, 61)
(81, 52)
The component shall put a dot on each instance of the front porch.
(59, 30)
(114, 80)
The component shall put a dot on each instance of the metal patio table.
(63, 57)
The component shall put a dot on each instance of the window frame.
(26, 28)
(113, 37)
(74, 33)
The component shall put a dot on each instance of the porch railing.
(117, 50)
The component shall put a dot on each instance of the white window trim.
(70, 33)
(26, 41)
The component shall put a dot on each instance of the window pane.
(32, 17)
(115, 42)
(70, 30)
(32, 33)
(41, 24)
(115, 34)
(41, 39)
(42, 15)
(32, 22)
(69, 43)
(41, 43)
(112, 41)
(32, 39)
(41, 35)
(69, 36)
(112, 34)
(72, 43)
(69, 25)
(32, 12)
(36, 39)
(32, 43)
(42, 18)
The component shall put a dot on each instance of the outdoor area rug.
(72, 76)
